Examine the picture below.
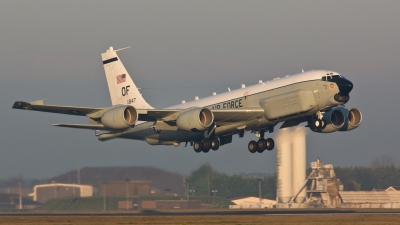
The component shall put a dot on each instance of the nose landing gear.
(317, 123)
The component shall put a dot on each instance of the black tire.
(252, 146)
(206, 145)
(315, 124)
(261, 145)
(205, 150)
(312, 125)
(270, 144)
(198, 146)
(323, 124)
(214, 144)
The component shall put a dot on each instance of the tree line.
(205, 180)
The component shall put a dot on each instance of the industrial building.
(321, 189)
(291, 166)
(45, 192)
(125, 188)
(324, 190)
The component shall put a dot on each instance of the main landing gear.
(206, 145)
(262, 144)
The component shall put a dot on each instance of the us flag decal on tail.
(121, 78)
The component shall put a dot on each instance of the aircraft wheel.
(252, 146)
(323, 124)
(197, 146)
(270, 144)
(214, 144)
(261, 145)
(317, 124)
(206, 145)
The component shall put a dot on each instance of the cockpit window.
(331, 78)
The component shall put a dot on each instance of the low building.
(370, 199)
(130, 204)
(170, 204)
(25, 191)
(124, 188)
(45, 192)
(12, 201)
(252, 203)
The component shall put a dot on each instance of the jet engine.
(120, 117)
(197, 119)
(338, 119)
(353, 117)
(334, 119)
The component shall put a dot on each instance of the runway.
(206, 212)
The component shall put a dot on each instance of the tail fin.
(120, 84)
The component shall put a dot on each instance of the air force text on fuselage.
(233, 104)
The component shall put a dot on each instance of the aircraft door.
(245, 99)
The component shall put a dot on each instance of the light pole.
(187, 189)
(104, 196)
(259, 189)
(192, 191)
(214, 192)
(127, 193)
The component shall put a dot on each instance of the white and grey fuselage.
(312, 81)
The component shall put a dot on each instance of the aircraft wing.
(220, 115)
(237, 115)
(82, 126)
(69, 110)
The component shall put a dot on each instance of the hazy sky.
(182, 49)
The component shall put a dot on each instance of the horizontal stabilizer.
(81, 126)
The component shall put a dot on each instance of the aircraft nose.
(345, 86)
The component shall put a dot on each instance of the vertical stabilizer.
(120, 84)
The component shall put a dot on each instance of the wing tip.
(21, 105)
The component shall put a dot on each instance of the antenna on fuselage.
(229, 89)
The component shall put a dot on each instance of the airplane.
(316, 97)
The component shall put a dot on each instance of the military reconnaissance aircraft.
(315, 97)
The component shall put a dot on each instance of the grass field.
(205, 219)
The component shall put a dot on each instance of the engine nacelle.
(197, 119)
(353, 119)
(340, 119)
(335, 119)
(119, 117)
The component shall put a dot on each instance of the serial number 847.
(130, 101)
